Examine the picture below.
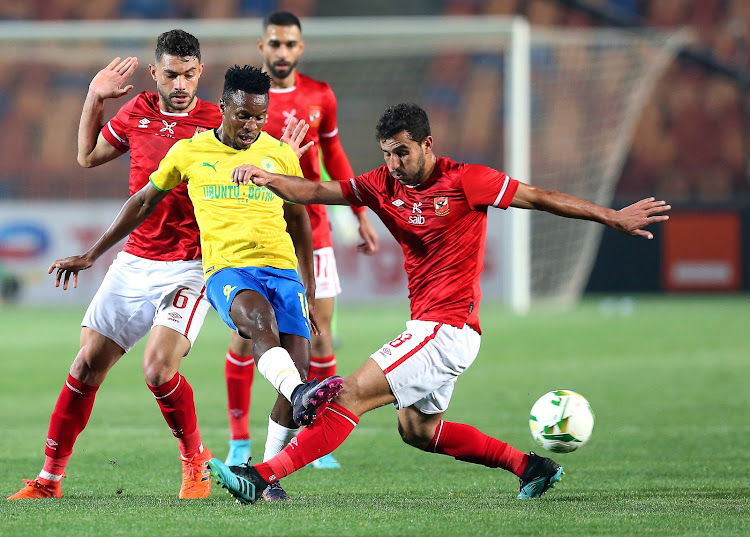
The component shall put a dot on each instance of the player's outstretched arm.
(630, 220)
(291, 188)
(300, 230)
(93, 148)
(136, 210)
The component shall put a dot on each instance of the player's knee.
(92, 364)
(159, 368)
(253, 324)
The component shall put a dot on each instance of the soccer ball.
(561, 421)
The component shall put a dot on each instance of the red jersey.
(170, 233)
(441, 226)
(314, 102)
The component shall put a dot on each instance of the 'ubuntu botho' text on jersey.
(315, 102)
(441, 226)
(240, 226)
(170, 233)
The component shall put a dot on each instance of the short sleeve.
(362, 191)
(485, 187)
(115, 131)
(169, 174)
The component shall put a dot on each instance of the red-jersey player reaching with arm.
(416, 371)
(294, 96)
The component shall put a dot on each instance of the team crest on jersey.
(315, 116)
(441, 206)
(268, 164)
(199, 130)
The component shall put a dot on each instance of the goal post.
(552, 107)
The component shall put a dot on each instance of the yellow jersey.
(240, 226)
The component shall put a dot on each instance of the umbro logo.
(175, 315)
(51, 444)
(228, 290)
(398, 203)
(142, 124)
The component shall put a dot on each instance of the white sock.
(52, 477)
(277, 439)
(278, 368)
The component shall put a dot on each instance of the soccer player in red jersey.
(294, 95)
(436, 208)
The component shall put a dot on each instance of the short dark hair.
(403, 117)
(281, 18)
(177, 43)
(248, 79)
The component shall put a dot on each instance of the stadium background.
(690, 145)
(665, 373)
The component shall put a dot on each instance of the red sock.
(175, 399)
(469, 444)
(333, 424)
(69, 418)
(322, 367)
(239, 372)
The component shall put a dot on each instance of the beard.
(279, 75)
(415, 178)
(168, 98)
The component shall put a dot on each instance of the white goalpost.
(552, 107)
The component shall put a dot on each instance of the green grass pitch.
(668, 456)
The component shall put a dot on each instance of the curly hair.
(177, 43)
(248, 79)
(403, 117)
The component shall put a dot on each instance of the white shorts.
(422, 364)
(326, 276)
(138, 293)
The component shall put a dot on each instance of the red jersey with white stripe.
(315, 102)
(170, 233)
(441, 226)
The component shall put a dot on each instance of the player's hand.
(369, 244)
(294, 135)
(69, 266)
(310, 296)
(248, 173)
(633, 218)
(107, 84)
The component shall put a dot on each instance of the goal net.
(555, 108)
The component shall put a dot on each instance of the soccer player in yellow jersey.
(251, 240)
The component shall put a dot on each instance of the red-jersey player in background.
(436, 209)
(294, 95)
